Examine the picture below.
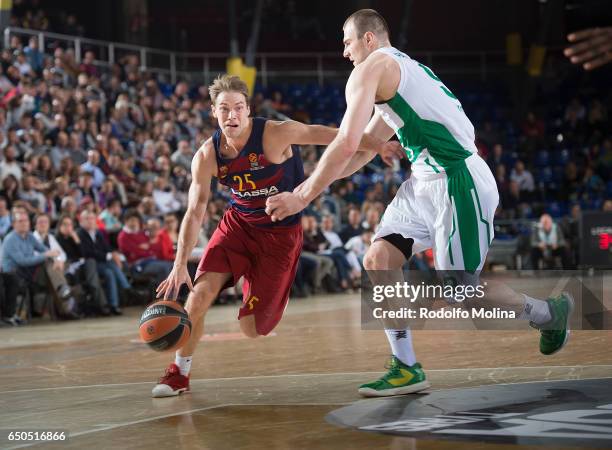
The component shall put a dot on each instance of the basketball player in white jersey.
(447, 204)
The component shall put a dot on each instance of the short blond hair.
(228, 83)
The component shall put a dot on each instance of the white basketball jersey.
(427, 118)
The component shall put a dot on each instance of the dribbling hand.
(171, 285)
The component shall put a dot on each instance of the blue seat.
(166, 89)
(558, 174)
(545, 175)
(333, 90)
(554, 209)
(591, 204)
(542, 158)
(560, 157)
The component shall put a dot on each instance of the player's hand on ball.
(170, 286)
(591, 47)
(391, 151)
(284, 205)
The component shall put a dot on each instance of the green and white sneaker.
(400, 379)
(555, 333)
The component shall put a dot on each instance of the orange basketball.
(165, 326)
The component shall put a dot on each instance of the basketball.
(165, 326)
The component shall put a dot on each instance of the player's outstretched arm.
(202, 169)
(360, 95)
(290, 132)
(377, 129)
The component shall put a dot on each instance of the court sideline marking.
(258, 377)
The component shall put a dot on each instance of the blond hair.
(228, 83)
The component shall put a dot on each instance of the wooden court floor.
(93, 379)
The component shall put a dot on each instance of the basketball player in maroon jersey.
(256, 158)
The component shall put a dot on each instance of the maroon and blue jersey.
(251, 178)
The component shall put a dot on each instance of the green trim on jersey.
(428, 162)
(450, 239)
(482, 219)
(460, 187)
(418, 134)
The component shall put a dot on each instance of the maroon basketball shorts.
(266, 257)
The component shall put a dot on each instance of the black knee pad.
(403, 244)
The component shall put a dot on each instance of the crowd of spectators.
(99, 160)
(29, 14)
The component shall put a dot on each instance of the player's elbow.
(348, 146)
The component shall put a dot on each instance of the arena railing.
(203, 67)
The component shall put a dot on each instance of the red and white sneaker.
(171, 384)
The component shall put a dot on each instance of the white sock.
(535, 310)
(183, 363)
(401, 345)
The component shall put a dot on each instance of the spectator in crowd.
(107, 193)
(26, 258)
(533, 131)
(35, 57)
(571, 184)
(548, 244)
(109, 262)
(42, 225)
(165, 197)
(87, 66)
(524, 178)
(160, 240)
(92, 166)
(372, 219)
(32, 195)
(592, 184)
(353, 227)
(369, 202)
(171, 225)
(183, 155)
(81, 270)
(512, 200)
(571, 230)
(9, 165)
(111, 217)
(69, 207)
(5, 218)
(356, 248)
(9, 291)
(498, 157)
(44, 171)
(147, 208)
(335, 250)
(10, 190)
(501, 179)
(61, 150)
(23, 64)
(136, 246)
(304, 277)
(314, 241)
(86, 188)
